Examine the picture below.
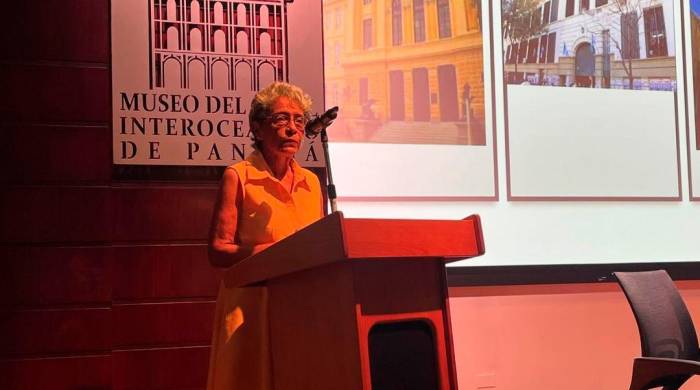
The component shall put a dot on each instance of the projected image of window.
(621, 44)
(405, 71)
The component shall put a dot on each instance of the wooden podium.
(361, 303)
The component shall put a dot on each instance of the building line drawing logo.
(217, 44)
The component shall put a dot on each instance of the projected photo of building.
(695, 42)
(405, 71)
(623, 44)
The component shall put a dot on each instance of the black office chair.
(670, 354)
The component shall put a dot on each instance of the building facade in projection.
(590, 43)
(695, 43)
(395, 65)
(217, 44)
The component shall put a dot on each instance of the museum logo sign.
(184, 73)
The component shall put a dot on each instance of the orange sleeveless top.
(268, 211)
(240, 356)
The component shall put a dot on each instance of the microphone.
(316, 125)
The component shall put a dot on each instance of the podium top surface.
(336, 239)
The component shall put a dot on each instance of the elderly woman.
(261, 200)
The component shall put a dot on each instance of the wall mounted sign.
(184, 73)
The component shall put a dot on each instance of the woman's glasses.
(284, 119)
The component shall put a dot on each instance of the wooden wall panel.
(55, 154)
(162, 213)
(169, 368)
(44, 93)
(163, 324)
(56, 276)
(56, 331)
(164, 271)
(56, 30)
(63, 373)
(82, 275)
(55, 214)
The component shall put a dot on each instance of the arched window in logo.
(224, 45)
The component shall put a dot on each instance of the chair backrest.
(665, 326)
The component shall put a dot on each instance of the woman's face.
(280, 133)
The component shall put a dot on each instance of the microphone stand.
(331, 186)
(311, 130)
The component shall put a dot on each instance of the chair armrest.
(649, 371)
(668, 366)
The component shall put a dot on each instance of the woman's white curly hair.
(261, 105)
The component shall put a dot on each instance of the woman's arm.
(222, 250)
